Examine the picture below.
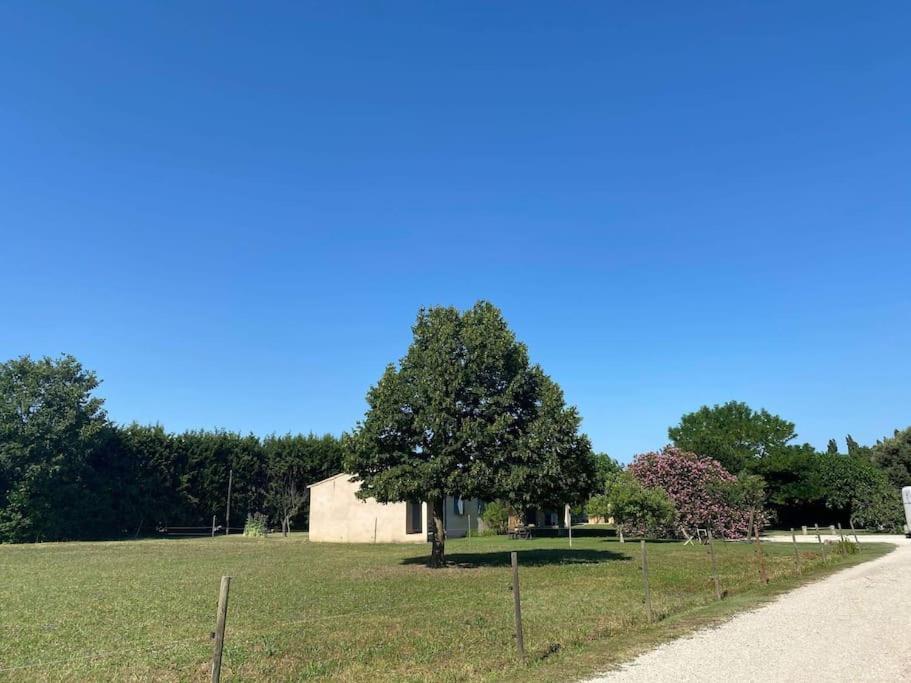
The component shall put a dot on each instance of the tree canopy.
(732, 433)
(464, 413)
(893, 456)
(67, 472)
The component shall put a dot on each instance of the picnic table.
(523, 532)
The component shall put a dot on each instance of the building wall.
(337, 515)
(456, 524)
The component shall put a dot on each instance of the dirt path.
(852, 626)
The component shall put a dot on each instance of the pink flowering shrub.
(694, 483)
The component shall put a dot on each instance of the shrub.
(496, 517)
(256, 525)
(695, 485)
(634, 507)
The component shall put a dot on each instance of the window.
(414, 523)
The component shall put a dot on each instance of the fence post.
(517, 606)
(469, 527)
(228, 505)
(714, 567)
(648, 593)
(854, 531)
(220, 628)
(763, 575)
(374, 529)
(804, 528)
(796, 551)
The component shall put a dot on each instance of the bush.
(496, 517)
(256, 525)
(634, 507)
(695, 485)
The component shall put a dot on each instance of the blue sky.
(232, 211)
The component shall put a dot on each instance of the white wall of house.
(337, 515)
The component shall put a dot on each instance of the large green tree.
(50, 426)
(854, 487)
(465, 413)
(732, 433)
(893, 456)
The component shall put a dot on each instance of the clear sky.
(232, 211)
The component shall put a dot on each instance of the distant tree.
(50, 426)
(854, 486)
(854, 448)
(792, 492)
(893, 456)
(606, 468)
(633, 507)
(746, 491)
(694, 484)
(209, 460)
(464, 413)
(733, 434)
(832, 447)
(292, 464)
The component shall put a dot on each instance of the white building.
(337, 515)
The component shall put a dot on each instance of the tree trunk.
(437, 554)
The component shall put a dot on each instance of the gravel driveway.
(852, 626)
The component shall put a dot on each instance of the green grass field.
(143, 610)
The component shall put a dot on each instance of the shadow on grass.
(533, 557)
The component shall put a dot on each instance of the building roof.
(334, 476)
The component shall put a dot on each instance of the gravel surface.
(852, 626)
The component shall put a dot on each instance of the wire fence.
(506, 623)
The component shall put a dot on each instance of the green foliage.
(292, 463)
(893, 456)
(845, 547)
(606, 467)
(633, 506)
(733, 434)
(496, 517)
(66, 472)
(853, 484)
(464, 413)
(51, 426)
(256, 525)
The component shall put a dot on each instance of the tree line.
(68, 472)
(463, 413)
(729, 459)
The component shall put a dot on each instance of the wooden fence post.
(228, 506)
(517, 606)
(648, 593)
(220, 628)
(213, 526)
(714, 567)
(854, 531)
(763, 575)
(796, 551)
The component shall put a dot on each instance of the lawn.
(144, 609)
